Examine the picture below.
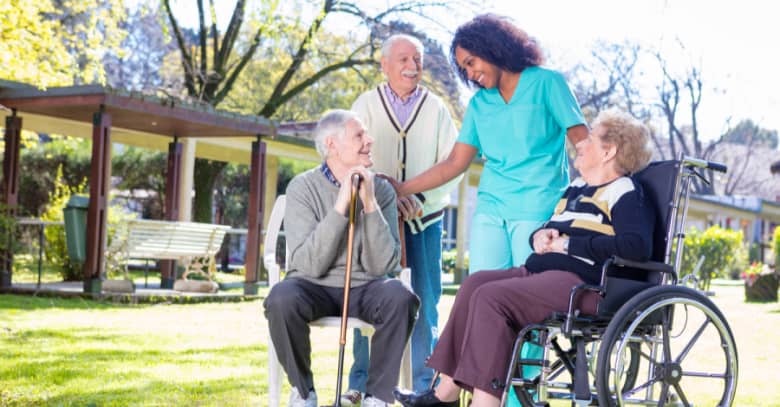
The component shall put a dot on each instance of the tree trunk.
(206, 173)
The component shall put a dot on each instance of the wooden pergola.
(187, 130)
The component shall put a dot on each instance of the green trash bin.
(75, 214)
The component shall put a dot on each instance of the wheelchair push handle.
(710, 165)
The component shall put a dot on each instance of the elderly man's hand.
(408, 207)
(365, 191)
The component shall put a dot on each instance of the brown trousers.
(489, 310)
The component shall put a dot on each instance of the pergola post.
(172, 191)
(10, 191)
(100, 175)
(255, 221)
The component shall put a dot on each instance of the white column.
(187, 178)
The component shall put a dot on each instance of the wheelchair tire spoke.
(639, 388)
(707, 375)
(664, 395)
(648, 357)
(693, 340)
(681, 395)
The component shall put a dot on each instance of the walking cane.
(347, 277)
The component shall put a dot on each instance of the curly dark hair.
(498, 41)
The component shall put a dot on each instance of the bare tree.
(606, 79)
(747, 149)
(210, 67)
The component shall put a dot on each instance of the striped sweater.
(601, 221)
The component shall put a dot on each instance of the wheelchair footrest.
(533, 362)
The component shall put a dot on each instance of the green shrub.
(776, 246)
(741, 261)
(8, 238)
(718, 247)
(449, 259)
(56, 249)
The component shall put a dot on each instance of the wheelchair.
(654, 341)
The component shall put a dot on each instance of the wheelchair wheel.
(687, 352)
(558, 369)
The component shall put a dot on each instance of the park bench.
(193, 245)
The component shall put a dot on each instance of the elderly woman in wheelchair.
(604, 218)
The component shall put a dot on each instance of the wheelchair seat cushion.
(618, 292)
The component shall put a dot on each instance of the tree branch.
(272, 105)
(186, 58)
(228, 85)
(214, 35)
(202, 40)
(230, 37)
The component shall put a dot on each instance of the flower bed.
(760, 284)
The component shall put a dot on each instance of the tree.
(747, 150)
(750, 134)
(57, 42)
(141, 169)
(607, 79)
(210, 69)
(673, 106)
(137, 63)
(39, 165)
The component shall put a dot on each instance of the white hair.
(332, 124)
(387, 46)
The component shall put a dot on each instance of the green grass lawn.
(62, 352)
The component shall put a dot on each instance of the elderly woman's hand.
(559, 244)
(542, 240)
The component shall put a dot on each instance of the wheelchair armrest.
(642, 265)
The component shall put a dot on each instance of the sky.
(735, 43)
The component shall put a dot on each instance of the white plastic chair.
(273, 268)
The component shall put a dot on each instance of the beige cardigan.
(429, 140)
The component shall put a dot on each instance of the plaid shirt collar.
(329, 174)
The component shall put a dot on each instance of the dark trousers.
(490, 309)
(386, 304)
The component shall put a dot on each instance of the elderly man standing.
(316, 228)
(413, 130)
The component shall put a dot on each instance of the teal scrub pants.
(496, 244)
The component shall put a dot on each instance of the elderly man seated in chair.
(316, 222)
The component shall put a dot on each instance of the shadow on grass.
(30, 303)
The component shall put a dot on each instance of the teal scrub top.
(523, 142)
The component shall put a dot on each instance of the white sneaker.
(297, 401)
(372, 401)
(351, 398)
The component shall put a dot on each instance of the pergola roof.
(134, 111)
(151, 121)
